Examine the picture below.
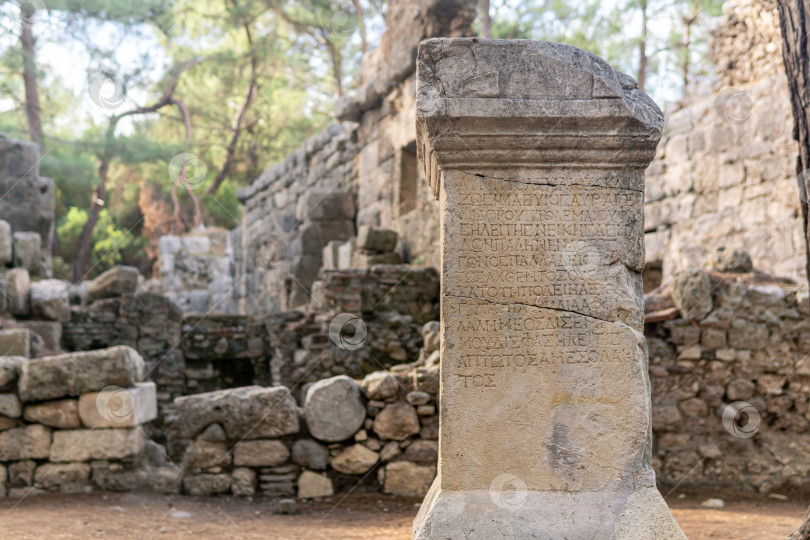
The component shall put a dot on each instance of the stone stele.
(536, 152)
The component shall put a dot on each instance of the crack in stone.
(550, 185)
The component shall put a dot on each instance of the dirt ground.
(357, 516)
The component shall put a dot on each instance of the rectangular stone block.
(89, 444)
(73, 374)
(18, 288)
(346, 253)
(15, 342)
(5, 243)
(8, 370)
(249, 412)
(27, 251)
(116, 281)
(119, 407)
(28, 442)
(376, 240)
(64, 477)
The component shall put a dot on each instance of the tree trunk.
(793, 19)
(486, 20)
(81, 264)
(32, 109)
(643, 59)
(361, 26)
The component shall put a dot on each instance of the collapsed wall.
(26, 209)
(362, 171)
(725, 174)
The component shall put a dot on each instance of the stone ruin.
(233, 320)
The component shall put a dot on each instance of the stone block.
(396, 421)
(50, 332)
(77, 373)
(379, 385)
(27, 251)
(15, 342)
(376, 240)
(333, 409)
(356, 459)
(103, 444)
(6, 243)
(203, 454)
(260, 453)
(313, 485)
(692, 293)
(119, 407)
(64, 477)
(745, 334)
(116, 281)
(250, 412)
(9, 369)
(310, 454)
(60, 414)
(367, 260)
(243, 482)
(207, 484)
(10, 406)
(408, 479)
(346, 254)
(18, 289)
(50, 300)
(330, 256)
(27, 442)
(317, 205)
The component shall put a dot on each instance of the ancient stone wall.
(731, 390)
(292, 211)
(26, 209)
(726, 166)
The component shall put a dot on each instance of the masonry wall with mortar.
(725, 173)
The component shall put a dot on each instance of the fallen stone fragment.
(333, 409)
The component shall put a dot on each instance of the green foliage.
(111, 244)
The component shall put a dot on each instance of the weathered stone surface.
(7, 423)
(379, 385)
(396, 421)
(15, 342)
(260, 453)
(10, 406)
(64, 477)
(408, 479)
(72, 374)
(60, 414)
(207, 484)
(333, 409)
(21, 473)
(50, 300)
(313, 485)
(49, 331)
(544, 385)
(422, 452)
(8, 369)
(28, 442)
(18, 289)
(731, 260)
(376, 240)
(5, 243)
(356, 459)
(310, 454)
(87, 444)
(119, 407)
(116, 281)
(250, 412)
(243, 482)
(692, 293)
(27, 249)
(431, 332)
(202, 454)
